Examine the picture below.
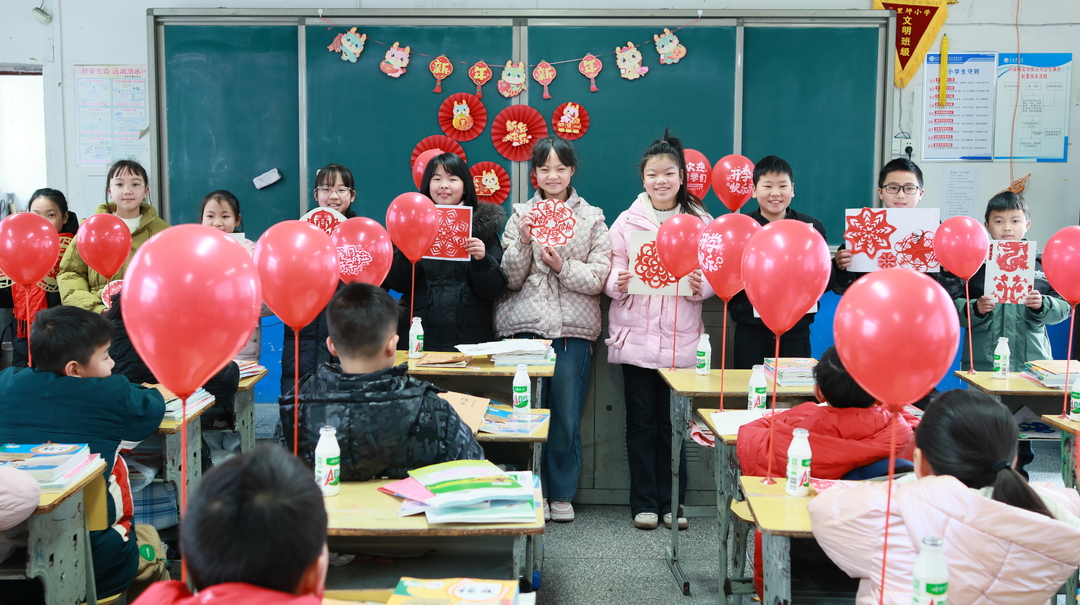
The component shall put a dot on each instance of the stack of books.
(514, 351)
(454, 590)
(195, 404)
(56, 466)
(791, 371)
(1050, 372)
(249, 368)
(467, 491)
(499, 420)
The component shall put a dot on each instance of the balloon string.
(772, 420)
(412, 294)
(29, 327)
(183, 475)
(888, 501)
(296, 393)
(723, 356)
(971, 349)
(1068, 361)
(675, 332)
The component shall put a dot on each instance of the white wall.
(22, 137)
(114, 32)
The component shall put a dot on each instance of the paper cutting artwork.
(455, 227)
(669, 48)
(353, 259)
(647, 274)
(628, 58)
(395, 61)
(711, 251)
(491, 182)
(48, 283)
(350, 44)
(111, 290)
(326, 219)
(512, 82)
(1010, 271)
(555, 224)
(883, 238)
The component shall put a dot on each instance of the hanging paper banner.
(350, 44)
(480, 73)
(544, 73)
(917, 26)
(462, 116)
(590, 67)
(440, 67)
(570, 121)
(396, 60)
(698, 173)
(628, 59)
(512, 82)
(669, 48)
(491, 181)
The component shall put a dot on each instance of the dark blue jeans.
(564, 394)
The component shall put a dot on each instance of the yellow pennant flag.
(917, 25)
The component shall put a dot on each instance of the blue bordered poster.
(963, 129)
(1032, 107)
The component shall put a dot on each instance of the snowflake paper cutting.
(886, 260)
(740, 180)
(868, 232)
(916, 251)
(555, 225)
(1012, 256)
(649, 268)
(452, 236)
(353, 259)
(1010, 293)
(711, 251)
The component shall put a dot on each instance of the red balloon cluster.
(28, 247)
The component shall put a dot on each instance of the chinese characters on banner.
(1010, 271)
(111, 113)
(1042, 119)
(917, 26)
(964, 128)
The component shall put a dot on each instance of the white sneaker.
(563, 512)
(547, 510)
(646, 520)
(683, 523)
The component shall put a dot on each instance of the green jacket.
(1024, 327)
(81, 286)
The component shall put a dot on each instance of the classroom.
(339, 111)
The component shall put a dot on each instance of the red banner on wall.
(917, 25)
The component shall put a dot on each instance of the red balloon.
(720, 252)
(733, 181)
(961, 246)
(677, 243)
(191, 299)
(104, 242)
(698, 173)
(420, 165)
(298, 266)
(1060, 261)
(786, 268)
(364, 251)
(413, 224)
(873, 331)
(29, 245)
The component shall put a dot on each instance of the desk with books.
(479, 366)
(533, 440)
(685, 385)
(171, 452)
(1016, 391)
(780, 517)
(244, 410)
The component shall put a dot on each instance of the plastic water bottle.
(930, 581)
(757, 397)
(416, 338)
(1001, 358)
(522, 394)
(1074, 400)
(328, 461)
(798, 464)
(704, 355)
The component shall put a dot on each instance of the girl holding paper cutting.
(554, 292)
(641, 330)
(453, 297)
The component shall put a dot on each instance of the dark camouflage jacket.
(387, 422)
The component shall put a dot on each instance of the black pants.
(753, 344)
(648, 442)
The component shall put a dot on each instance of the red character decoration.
(868, 232)
(544, 73)
(440, 67)
(590, 67)
(555, 226)
(479, 73)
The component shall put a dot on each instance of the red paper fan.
(440, 142)
(467, 122)
(570, 121)
(493, 191)
(515, 130)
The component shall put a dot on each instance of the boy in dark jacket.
(70, 396)
(387, 422)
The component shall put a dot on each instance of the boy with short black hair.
(387, 422)
(774, 187)
(254, 532)
(70, 396)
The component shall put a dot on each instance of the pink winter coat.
(640, 327)
(997, 554)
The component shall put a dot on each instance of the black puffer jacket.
(454, 298)
(387, 422)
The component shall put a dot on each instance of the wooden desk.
(1068, 476)
(686, 384)
(363, 518)
(244, 410)
(171, 429)
(1014, 385)
(58, 548)
(533, 441)
(479, 365)
(779, 517)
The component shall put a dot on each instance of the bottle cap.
(933, 541)
(327, 430)
(801, 433)
(1003, 339)
(522, 367)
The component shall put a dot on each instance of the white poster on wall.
(962, 129)
(960, 188)
(111, 113)
(1033, 107)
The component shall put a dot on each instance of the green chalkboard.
(694, 97)
(370, 122)
(810, 97)
(232, 104)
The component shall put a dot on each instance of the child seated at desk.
(254, 532)
(71, 396)
(1006, 541)
(387, 421)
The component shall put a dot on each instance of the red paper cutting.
(590, 67)
(462, 116)
(48, 284)
(1010, 292)
(455, 227)
(480, 73)
(512, 82)
(649, 269)
(440, 67)
(1012, 256)
(868, 232)
(437, 141)
(396, 59)
(109, 291)
(516, 130)
(570, 121)
(326, 219)
(555, 224)
(916, 251)
(886, 260)
(491, 181)
(544, 73)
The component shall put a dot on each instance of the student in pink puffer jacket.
(1006, 542)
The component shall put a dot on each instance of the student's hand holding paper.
(1033, 300)
(985, 304)
(843, 259)
(694, 280)
(475, 247)
(525, 226)
(623, 282)
(551, 257)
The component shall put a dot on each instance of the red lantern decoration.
(590, 67)
(479, 73)
(440, 67)
(544, 73)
